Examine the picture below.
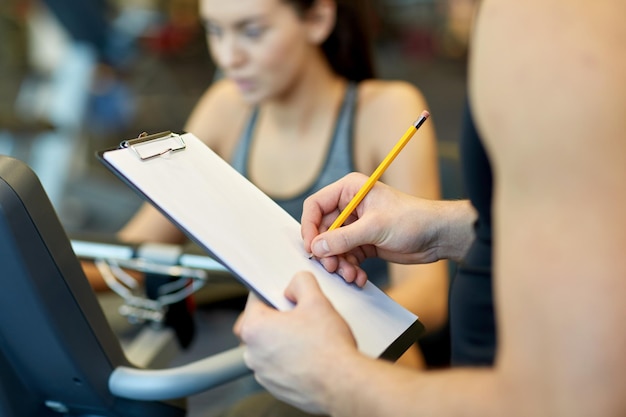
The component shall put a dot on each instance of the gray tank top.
(339, 162)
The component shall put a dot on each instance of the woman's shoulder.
(219, 114)
(388, 95)
(222, 98)
(381, 102)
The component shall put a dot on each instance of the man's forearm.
(363, 387)
(456, 229)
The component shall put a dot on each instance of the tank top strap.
(340, 156)
(239, 159)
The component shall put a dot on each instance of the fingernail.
(320, 248)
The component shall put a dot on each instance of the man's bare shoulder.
(574, 80)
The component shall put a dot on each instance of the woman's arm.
(386, 109)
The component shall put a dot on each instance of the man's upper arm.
(553, 116)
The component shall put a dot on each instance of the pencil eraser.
(425, 114)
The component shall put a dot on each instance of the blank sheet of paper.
(255, 238)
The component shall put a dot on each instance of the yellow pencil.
(379, 171)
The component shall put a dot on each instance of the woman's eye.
(212, 30)
(253, 31)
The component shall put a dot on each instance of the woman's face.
(260, 44)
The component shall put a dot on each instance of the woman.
(297, 108)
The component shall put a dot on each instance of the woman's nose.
(229, 53)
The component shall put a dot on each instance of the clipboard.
(250, 234)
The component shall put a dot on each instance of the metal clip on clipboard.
(151, 146)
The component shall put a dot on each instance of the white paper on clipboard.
(251, 235)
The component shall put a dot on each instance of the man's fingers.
(302, 286)
(255, 310)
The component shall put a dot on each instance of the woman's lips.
(244, 84)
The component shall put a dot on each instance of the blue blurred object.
(111, 106)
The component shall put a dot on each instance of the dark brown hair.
(348, 47)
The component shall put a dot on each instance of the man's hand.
(292, 352)
(387, 224)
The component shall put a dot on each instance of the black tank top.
(472, 321)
